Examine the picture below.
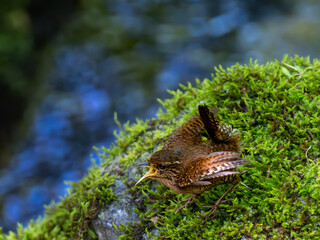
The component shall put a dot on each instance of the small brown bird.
(187, 164)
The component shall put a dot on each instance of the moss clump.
(275, 106)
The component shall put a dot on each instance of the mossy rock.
(275, 107)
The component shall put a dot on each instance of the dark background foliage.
(67, 66)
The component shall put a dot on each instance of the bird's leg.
(220, 200)
(188, 202)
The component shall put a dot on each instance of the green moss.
(276, 108)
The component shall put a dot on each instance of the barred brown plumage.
(187, 164)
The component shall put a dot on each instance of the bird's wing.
(218, 175)
(215, 165)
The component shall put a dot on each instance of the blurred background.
(67, 66)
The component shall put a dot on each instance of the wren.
(187, 164)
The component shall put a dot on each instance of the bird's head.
(164, 165)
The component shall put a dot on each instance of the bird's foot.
(188, 202)
(214, 207)
(220, 200)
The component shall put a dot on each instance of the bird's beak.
(151, 172)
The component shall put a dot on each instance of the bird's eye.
(161, 166)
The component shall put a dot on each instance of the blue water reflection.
(73, 116)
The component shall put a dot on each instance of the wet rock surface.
(121, 211)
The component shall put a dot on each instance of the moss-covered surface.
(275, 106)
